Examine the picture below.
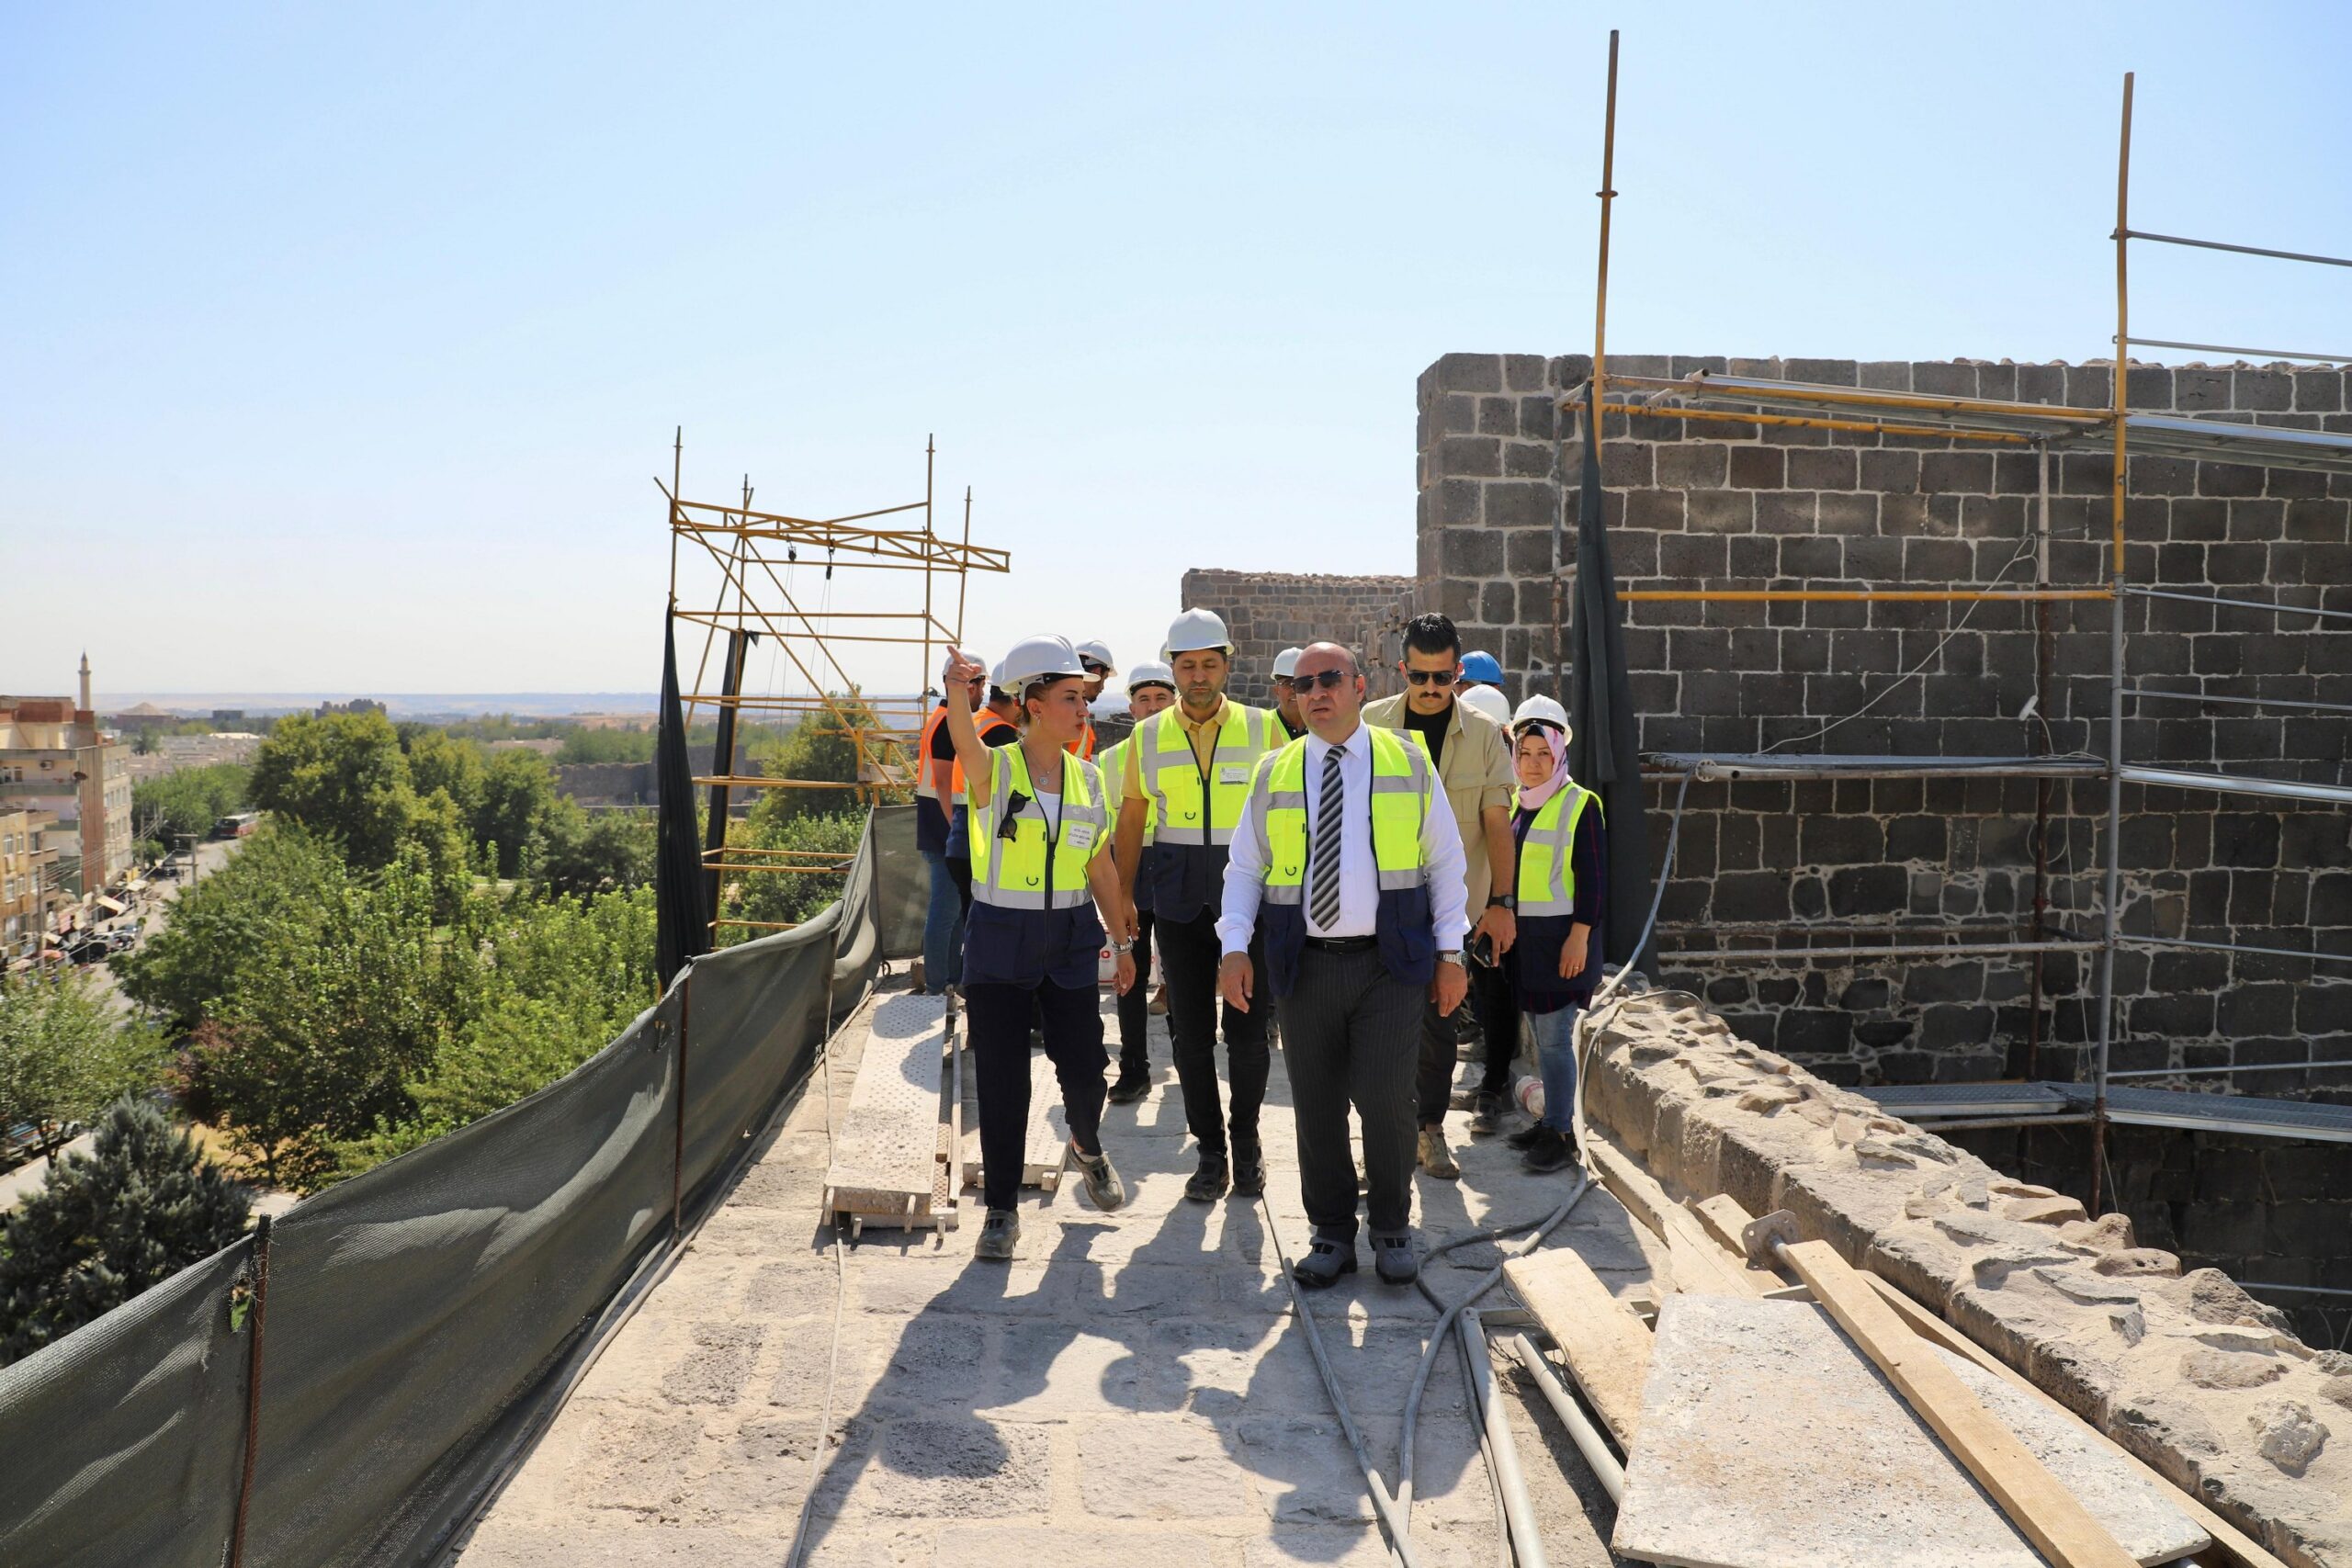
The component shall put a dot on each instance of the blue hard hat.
(1482, 667)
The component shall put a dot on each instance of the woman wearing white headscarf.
(1553, 964)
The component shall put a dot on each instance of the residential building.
(56, 759)
(24, 893)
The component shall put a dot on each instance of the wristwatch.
(1503, 901)
(1451, 955)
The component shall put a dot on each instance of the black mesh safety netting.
(416, 1319)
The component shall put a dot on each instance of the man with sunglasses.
(1094, 657)
(1472, 757)
(1285, 699)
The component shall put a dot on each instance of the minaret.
(85, 680)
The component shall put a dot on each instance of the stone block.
(1758, 467)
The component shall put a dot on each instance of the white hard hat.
(1034, 658)
(1287, 663)
(1094, 647)
(1490, 702)
(1150, 673)
(1541, 710)
(1194, 630)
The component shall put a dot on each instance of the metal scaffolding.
(2040, 428)
(763, 563)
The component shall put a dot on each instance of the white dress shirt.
(1441, 858)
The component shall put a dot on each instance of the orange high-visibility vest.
(987, 723)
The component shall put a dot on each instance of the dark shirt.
(1293, 730)
(1533, 962)
(951, 816)
(1431, 728)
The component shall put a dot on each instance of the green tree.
(191, 800)
(267, 899)
(342, 775)
(583, 745)
(437, 759)
(557, 979)
(318, 1044)
(818, 747)
(785, 897)
(139, 1207)
(518, 794)
(63, 1055)
(582, 852)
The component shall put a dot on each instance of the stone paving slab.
(1135, 1387)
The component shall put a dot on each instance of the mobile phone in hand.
(1482, 949)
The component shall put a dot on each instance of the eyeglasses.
(1429, 677)
(1326, 679)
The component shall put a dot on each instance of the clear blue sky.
(340, 342)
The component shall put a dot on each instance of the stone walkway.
(1133, 1388)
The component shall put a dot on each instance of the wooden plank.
(2051, 1516)
(1607, 1347)
(1700, 1265)
(1928, 1325)
(1768, 1441)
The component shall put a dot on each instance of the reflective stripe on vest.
(1547, 873)
(1025, 871)
(1196, 809)
(926, 779)
(985, 723)
(1402, 790)
(1113, 765)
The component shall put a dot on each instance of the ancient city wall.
(1266, 612)
(1740, 505)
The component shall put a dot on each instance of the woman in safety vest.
(1554, 963)
(1039, 828)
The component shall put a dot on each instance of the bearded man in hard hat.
(1094, 654)
(1348, 867)
(1151, 686)
(1039, 825)
(1190, 764)
(1473, 762)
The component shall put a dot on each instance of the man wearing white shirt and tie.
(1349, 853)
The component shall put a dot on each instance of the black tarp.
(1603, 753)
(681, 900)
(714, 835)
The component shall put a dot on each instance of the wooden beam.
(1928, 1325)
(1700, 1264)
(2037, 1502)
(1607, 1347)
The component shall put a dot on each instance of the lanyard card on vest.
(1018, 863)
(1547, 873)
(1202, 805)
(1403, 792)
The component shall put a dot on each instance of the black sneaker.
(1394, 1259)
(1524, 1139)
(1325, 1261)
(1130, 1088)
(1550, 1152)
(1103, 1183)
(1486, 1109)
(1209, 1183)
(1248, 1172)
(999, 1232)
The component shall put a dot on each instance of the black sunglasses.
(1093, 667)
(1429, 677)
(1326, 679)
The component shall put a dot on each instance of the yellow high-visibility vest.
(1547, 875)
(1015, 864)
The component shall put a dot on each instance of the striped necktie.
(1323, 864)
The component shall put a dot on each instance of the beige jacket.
(1476, 773)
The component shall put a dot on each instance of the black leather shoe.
(1249, 1173)
(1209, 1182)
(1393, 1256)
(1127, 1090)
(1524, 1139)
(1325, 1261)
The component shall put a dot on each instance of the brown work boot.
(1435, 1158)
